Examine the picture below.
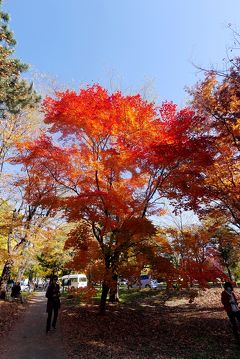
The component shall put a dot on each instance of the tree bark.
(5, 278)
(229, 273)
(20, 273)
(105, 290)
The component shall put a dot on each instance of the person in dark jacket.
(230, 304)
(53, 303)
(16, 291)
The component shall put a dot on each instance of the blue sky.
(124, 44)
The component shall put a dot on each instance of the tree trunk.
(105, 290)
(114, 295)
(5, 278)
(114, 290)
(21, 270)
(229, 273)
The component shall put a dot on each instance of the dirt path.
(28, 339)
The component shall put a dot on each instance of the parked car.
(41, 284)
(144, 281)
(24, 286)
(123, 282)
(71, 281)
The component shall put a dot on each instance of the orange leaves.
(195, 254)
(93, 114)
(84, 294)
(107, 148)
(103, 140)
(135, 230)
(106, 156)
(216, 99)
(109, 144)
(85, 247)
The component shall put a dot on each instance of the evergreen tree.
(15, 92)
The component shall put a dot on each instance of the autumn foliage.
(216, 100)
(94, 181)
(106, 162)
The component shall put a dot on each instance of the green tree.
(15, 92)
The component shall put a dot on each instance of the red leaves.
(95, 113)
(107, 157)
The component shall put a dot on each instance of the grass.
(130, 296)
(127, 296)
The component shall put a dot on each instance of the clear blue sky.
(129, 41)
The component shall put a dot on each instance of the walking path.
(28, 339)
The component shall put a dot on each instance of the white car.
(144, 281)
(72, 281)
(24, 286)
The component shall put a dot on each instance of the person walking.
(53, 303)
(230, 304)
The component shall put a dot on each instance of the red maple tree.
(112, 158)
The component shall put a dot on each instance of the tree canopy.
(107, 160)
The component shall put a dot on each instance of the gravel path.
(28, 339)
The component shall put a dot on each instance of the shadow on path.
(28, 339)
